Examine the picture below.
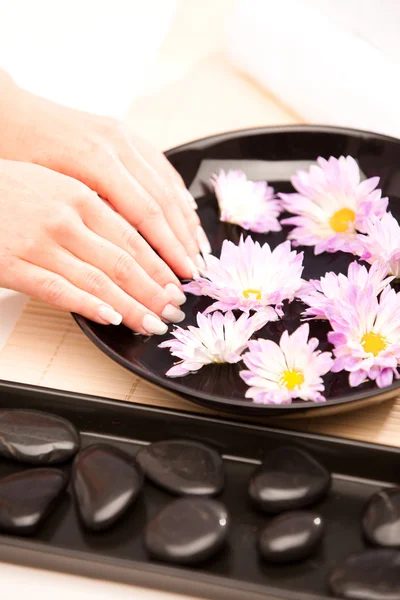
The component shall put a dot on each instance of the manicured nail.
(200, 262)
(192, 267)
(191, 200)
(172, 314)
(176, 294)
(109, 315)
(153, 325)
(202, 239)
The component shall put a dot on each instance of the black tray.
(237, 572)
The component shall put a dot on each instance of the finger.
(108, 224)
(170, 197)
(89, 279)
(60, 293)
(161, 165)
(129, 198)
(196, 228)
(122, 269)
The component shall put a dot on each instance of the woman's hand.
(134, 178)
(61, 243)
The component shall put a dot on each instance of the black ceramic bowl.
(273, 154)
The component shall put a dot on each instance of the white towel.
(335, 62)
(88, 54)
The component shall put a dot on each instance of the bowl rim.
(204, 397)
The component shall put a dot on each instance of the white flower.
(382, 242)
(250, 204)
(250, 277)
(322, 295)
(293, 369)
(217, 339)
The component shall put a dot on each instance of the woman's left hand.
(125, 170)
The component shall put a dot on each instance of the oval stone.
(370, 575)
(183, 467)
(187, 531)
(288, 479)
(381, 518)
(106, 483)
(291, 536)
(36, 437)
(27, 498)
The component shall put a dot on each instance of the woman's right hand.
(60, 243)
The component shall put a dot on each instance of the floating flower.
(293, 369)
(217, 339)
(321, 295)
(366, 335)
(331, 205)
(250, 204)
(249, 276)
(382, 242)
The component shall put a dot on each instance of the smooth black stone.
(36, 437)
(106, 483)
(381, 519)
(291, 536)
(183, 467)
(27, 498)
(371, 575)
(187, 531)
(288, 479)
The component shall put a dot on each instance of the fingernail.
(191, 200)
(194, 270)
(153, 325)
(200, 262)
(203, 241)
(176, 294)
(109, 315)
(172, 314)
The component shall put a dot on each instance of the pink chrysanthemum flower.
(249, 276)
(250, 204)
(277, 374)
(366, 335)
(217, 339)
(331, 205)
(382, 242)
(321, 295)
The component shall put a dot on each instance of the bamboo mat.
(47, 348)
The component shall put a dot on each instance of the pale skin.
(94, 220)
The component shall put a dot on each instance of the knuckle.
(53, 291)
(169, 193)
(95, 282)
(150, 210)
(123, 268)
(130, 238)
(59, 222)
(82, 199)
(159, 273)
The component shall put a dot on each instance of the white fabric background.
(334, 62)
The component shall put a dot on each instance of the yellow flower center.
(341, 219)
(291, 379)
(250, 292)
(373, 342)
